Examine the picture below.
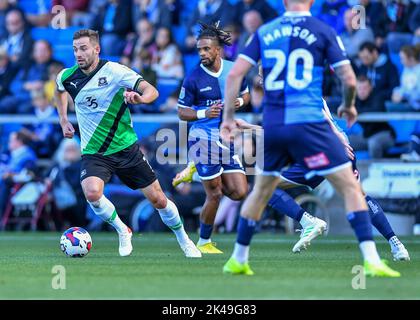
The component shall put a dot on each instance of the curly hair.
(214, 32)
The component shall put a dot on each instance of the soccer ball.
(76, 242)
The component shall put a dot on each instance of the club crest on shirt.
(102, 82)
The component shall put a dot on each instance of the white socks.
(369, 252)
(170, 217)
(241, 253)
(202, 242)
(104, 209)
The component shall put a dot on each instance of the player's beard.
(87, 64)
(209, 63)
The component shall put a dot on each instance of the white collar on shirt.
(213, 74)
(297, 14)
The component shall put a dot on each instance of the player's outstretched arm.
(62, 102)
(348, 79)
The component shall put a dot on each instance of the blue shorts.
(314, 146)
(212, 158)
(295, 174)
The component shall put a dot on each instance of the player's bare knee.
(93, 194)
(214, 195)
(159, 200)
(238, 194)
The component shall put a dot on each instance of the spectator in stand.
(19, 166)
(403, 24)
(18, 42)
(6, 73)
(406, 97)
(251, 21)
(161, 13)
(168, 59)
(353, 38)
(5, 7)
(143, 64)
(208, 11)
(38, 15)
(76, 10)
(414, 151)
(267, 13)
(231, 52)
(66, 183)
(378, 69)
(113, 23)
(27, 79)
(377, 137)
(50, 86)
(144, 39)
(331, 89)
(332, 13)
(44, 134)
(376, 19)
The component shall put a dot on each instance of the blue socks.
(205, 230)
(285, 204)
(379, 219)
(361, 224)
(246, 228)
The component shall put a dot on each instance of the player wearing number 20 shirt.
(293, 50)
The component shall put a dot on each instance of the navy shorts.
(314, 146)
(212, 158)
(295, 174)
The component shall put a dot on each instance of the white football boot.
(190, 250)
(310, 232)
(126, 247)
(399, 252)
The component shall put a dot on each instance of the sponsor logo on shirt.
(208, 88)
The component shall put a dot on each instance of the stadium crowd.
(157, 39)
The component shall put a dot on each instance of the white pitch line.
(170, 238)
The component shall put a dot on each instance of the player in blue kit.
(201, 103)
(293, 50)
(294, 176)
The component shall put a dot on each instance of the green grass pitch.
(157, 269)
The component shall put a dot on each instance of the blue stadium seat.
(179, 34)
(277, 5)
(145, 129)
(64, 53)
(111, 58)
(362, 155)
(403, 129)
(65, 36)
(395, 59)
(190, 61)
(44, 33)
(166, 87)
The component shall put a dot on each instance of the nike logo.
(74, 84)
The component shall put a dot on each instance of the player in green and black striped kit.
(101, 90)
